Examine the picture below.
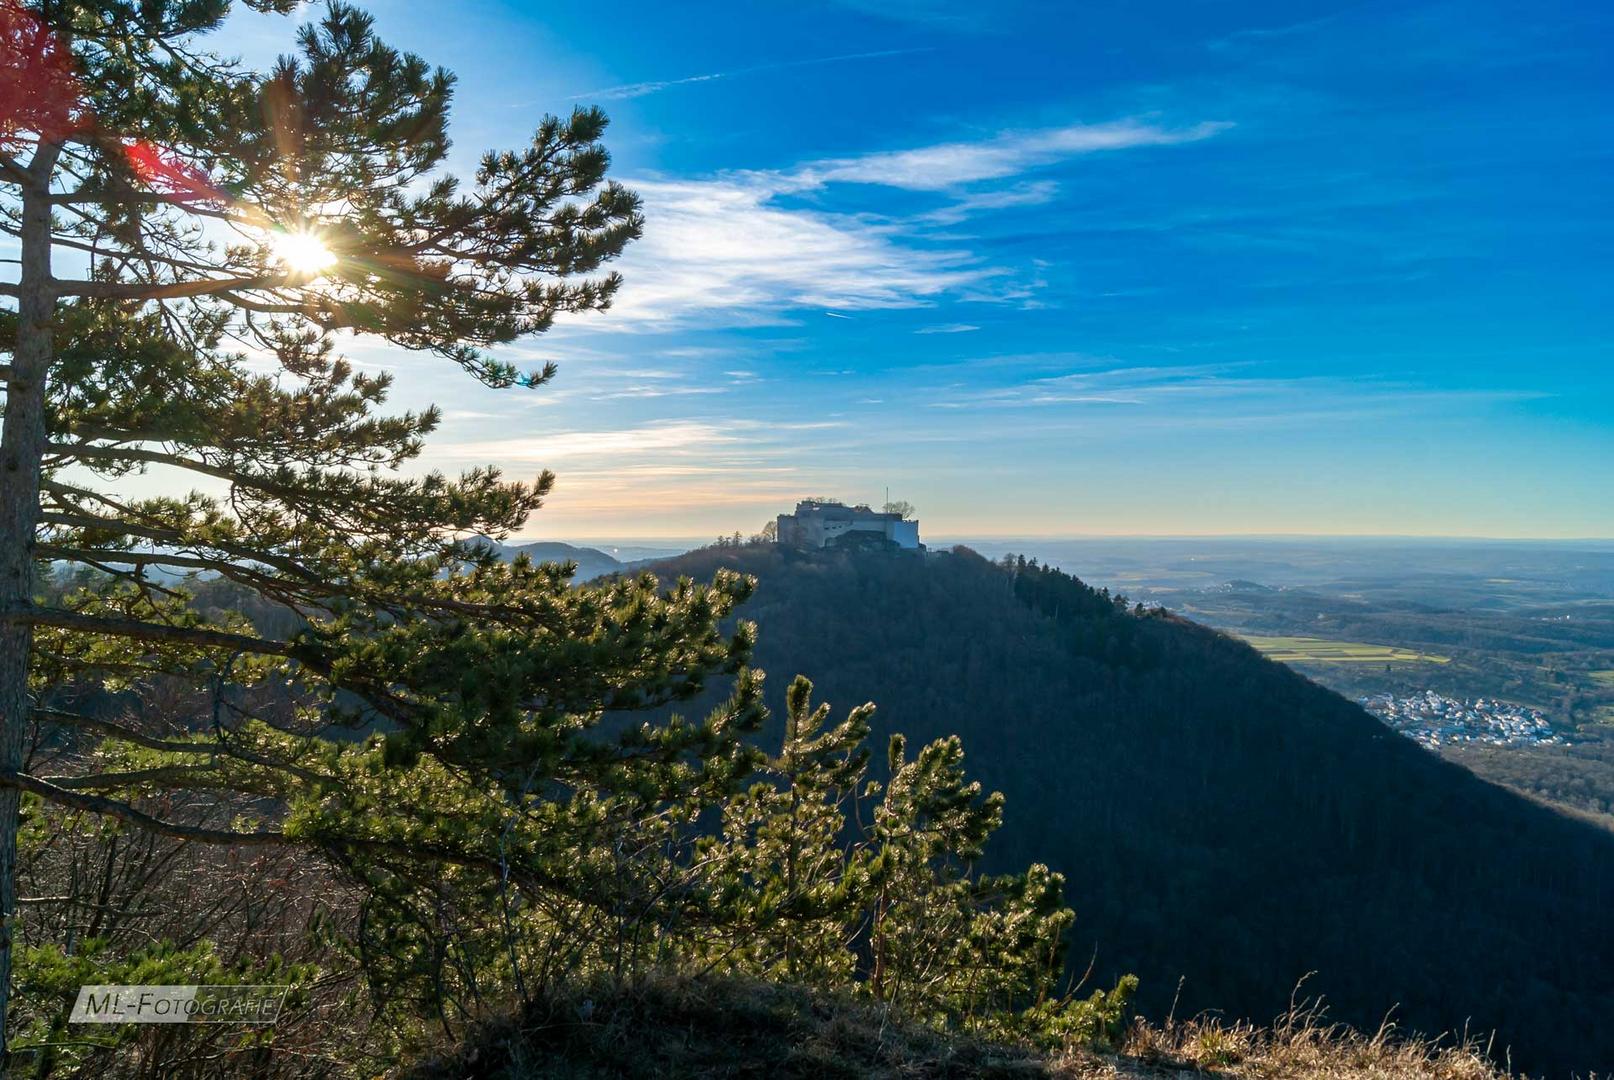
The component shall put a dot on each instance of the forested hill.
(1220, 819)
(591, 562)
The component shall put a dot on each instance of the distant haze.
(1566, 569)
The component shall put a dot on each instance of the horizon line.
(703, 538)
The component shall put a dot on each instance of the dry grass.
(1300, 1047)
(670, 1027)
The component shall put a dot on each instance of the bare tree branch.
(177, 290)
(214, 747)
(162, 774)
(98, 804)
(145, 631)
(125, 734)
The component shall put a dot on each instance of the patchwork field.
(1303, 650)
(1604, 678)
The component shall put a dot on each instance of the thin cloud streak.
(1204, 396)
(642, 89)
(948, 165)
(653, 442)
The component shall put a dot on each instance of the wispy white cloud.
(948, 328)
(696, 352)
(648, 373)
(726, 246)
(655, 391)
(651, 443)
(1214, 396)
(666, 437)
(1254, 34)
(970, 203)
(641, 89)
(676, 466)
(947, 165)
(742, 248)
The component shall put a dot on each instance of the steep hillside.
(1222, 821)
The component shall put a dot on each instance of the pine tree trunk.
(22, 446)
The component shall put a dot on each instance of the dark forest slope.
(1220, 818)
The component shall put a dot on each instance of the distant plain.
(1525, 621)
(1324, 650)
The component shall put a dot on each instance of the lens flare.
(302, 252)
(39, 91)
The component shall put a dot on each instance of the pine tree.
(781, 865)
(826, 878)
(944, 942)
(219, 232)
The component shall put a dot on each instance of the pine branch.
(178, 461)
(302, 590)
(122, 811)
(16, 172)
(92, 197)
(140, 558)
(215, 748)
(163, 535)
(163, 774)
(292, 593)
(178, 290)
(125, 734)
(137, 630)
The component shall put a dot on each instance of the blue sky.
(1206, 266)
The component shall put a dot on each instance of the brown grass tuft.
(1301, 1046)
(676, 1027)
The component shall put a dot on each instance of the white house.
(818, 524)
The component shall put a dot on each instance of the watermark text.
(259, 1004)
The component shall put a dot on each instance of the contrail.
(640, 89)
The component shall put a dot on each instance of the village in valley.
(1436, 720)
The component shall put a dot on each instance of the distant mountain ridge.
(1222, 820)
(591, 562)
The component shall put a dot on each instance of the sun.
(302, 252)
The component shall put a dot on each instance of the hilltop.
(668, 1027)
(1226, 825)
(591, 562)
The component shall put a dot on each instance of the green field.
(1604, 678)
(1303, 650)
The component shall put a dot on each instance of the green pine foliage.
(416, 697)
(848, 884)
(389, 764)
(49, 978)
(788, 880)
